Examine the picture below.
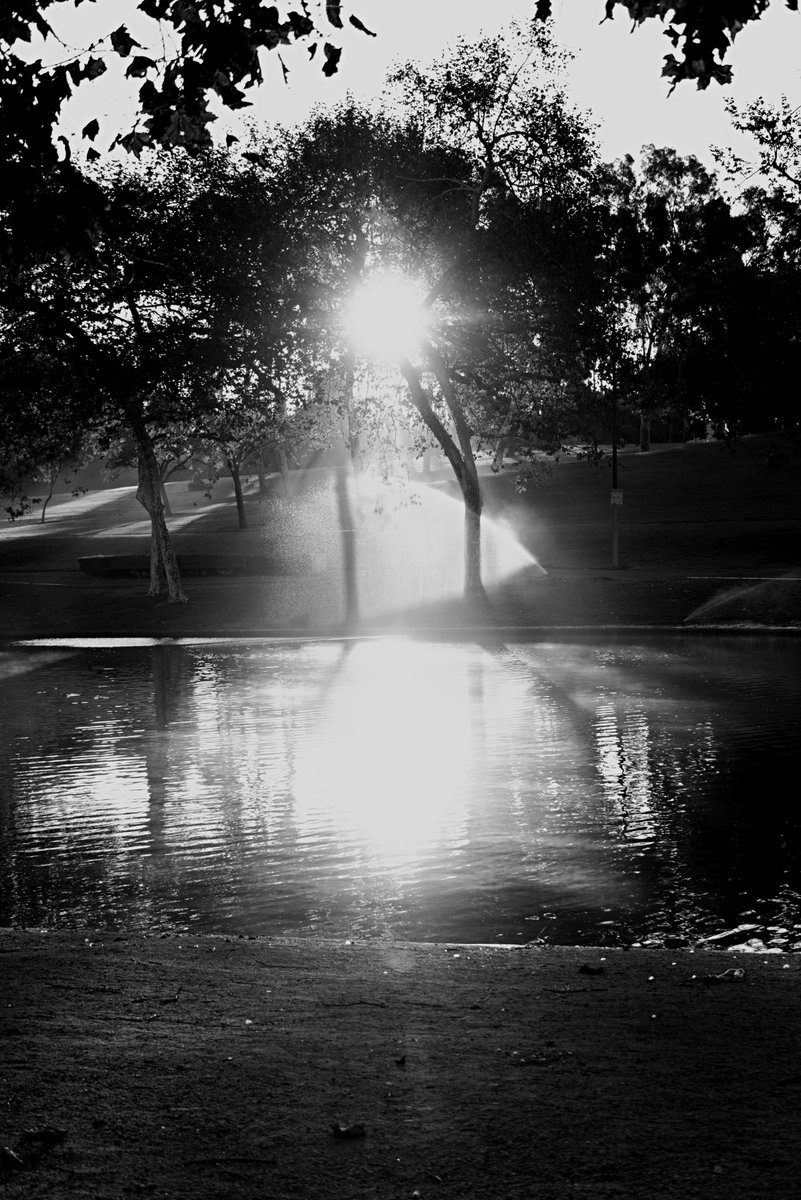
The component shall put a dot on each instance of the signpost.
(616, 497)
(616, 500)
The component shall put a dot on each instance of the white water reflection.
(401, 788)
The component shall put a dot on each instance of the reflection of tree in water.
(687, 797)
(71, 720)
(171, 700)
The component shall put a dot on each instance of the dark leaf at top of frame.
(157, 9)
(332, 57)
(333, 10)
(543, 10)
(300, 25)
(357, 24)
(122, 42)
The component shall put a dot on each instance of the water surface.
(392, 788)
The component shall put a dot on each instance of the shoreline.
(214, 1065)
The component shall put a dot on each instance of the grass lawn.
(700, 525)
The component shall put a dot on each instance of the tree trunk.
(462, 463)
(164, 572)
(645, 433)
(347, 527)
(233, 467)
(49, 496)
(352, 433)
(472, 539)
(165, 500)
(283, 467)
(262, 475)
(503, 440)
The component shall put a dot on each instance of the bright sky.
(615, 77)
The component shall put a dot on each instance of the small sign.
(616, 496)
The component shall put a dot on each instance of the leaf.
(333, 10)
(122, 42)
(93, 68)
(9, 1160)
(356, 23)
(357, 1130)
(135, 142)
(139, 66)
(230, 138)
(92, 155)
(91, 129)
(332, 57)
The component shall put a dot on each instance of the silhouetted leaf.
(333, 10)
(139, 66)
(357, 24)
(135, 142)
(91, 129)
(332, 57)
(122, 42)
(93, 68)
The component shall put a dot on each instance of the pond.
(571, 791)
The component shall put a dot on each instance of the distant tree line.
(201, 314)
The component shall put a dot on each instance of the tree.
(776, 131)
(192, 56)
(702, 32)
(140, 338)
(498, 110)
(45, 412)
(195, 51)
(766, 353)
(674, 241)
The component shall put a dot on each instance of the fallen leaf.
(356, 1130)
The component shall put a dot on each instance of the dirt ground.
(214, 1067)
(217, 1067)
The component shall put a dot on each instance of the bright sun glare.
(386, 319)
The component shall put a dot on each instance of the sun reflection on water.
(392, 755)
(393, 786)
